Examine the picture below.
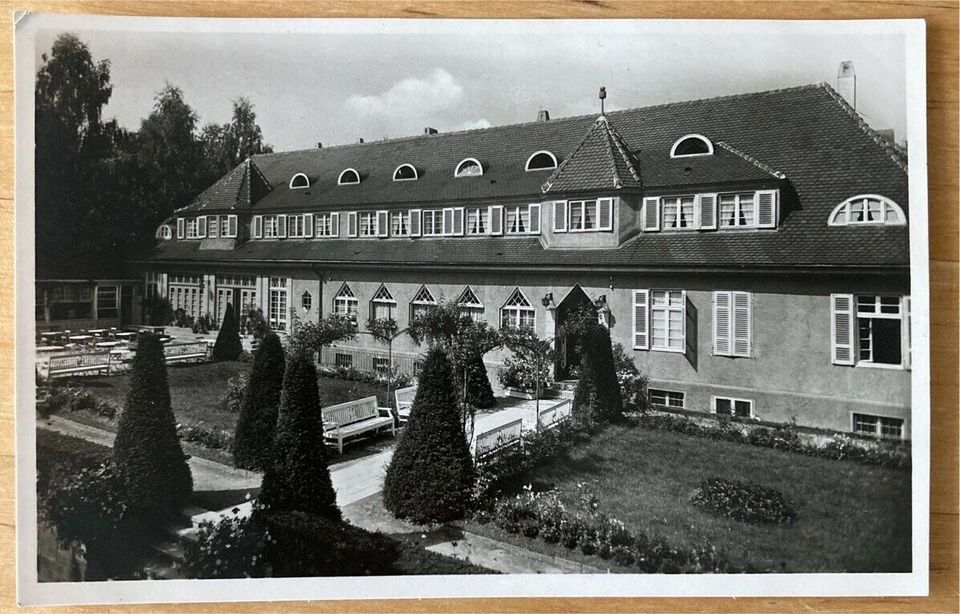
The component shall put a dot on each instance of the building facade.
(750, 253)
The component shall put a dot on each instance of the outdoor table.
(108, 344)
(80, 338)
(97, 332)
(49, 337)
(125, 336)
(49, 348)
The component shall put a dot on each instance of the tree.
(597, 398)
(431, 475)
(147, 451)
(297, 478)
(228, 346)
(477, 389)
(257, 421)
(227, 145)
(310, 337)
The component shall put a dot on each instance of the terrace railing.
(369, 360)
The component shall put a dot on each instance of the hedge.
(257, 420)
(228, 345)
(597, 397)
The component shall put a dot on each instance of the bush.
(158, 310)
(62, 455)
(257, 421)
(743, 501)
(232, 548)
(597, 397)
(232, 399)
(228, 346)
(431, 475)
(479, 392)
(71, 399)
(147, 451)
(297, 478)
(213, 438)
(352, 374)
(520, 373)
(633, 386)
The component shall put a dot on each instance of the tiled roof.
(238, 189)
(601, 161)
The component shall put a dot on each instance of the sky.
(344, 83)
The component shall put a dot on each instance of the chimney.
(888, 135)
(360, 141)
(847, 83)
(543, 115)
(319, 145)
(429, 130)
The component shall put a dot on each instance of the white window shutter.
(651, 213)
(907, 336)
(721, 323)
(335, 224)
(707, 209)
(842, 327)
(202, 227)
(559, 216)
(282, 226)
(605, 206)
(496, 220)
(415, 219)
(534, 219)
(641, 328)
(458, 214)
(308, 225)
(383, 223)
(742, 332)
(213, 226)
(352, 224)
(447, 225)
(180, 223)
(767, 208)
(257, 226)
(232, 226)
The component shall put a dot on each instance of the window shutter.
(232, 226)
(605, 206)
(214, 226)
(447, 226)
(458, 222)
(651, 213)
(335, 224)
(202, 227)
(352, 224)
(415, 220)
(641, 334)
(767, 208)
(179, 227)
(842, 328)
(535, 219)
(721, 323)
(496, 220)
(559, 216)
(907, 336)
(282, 226)
(257, 226)
(707, 207)
(383, 223)
(308, 225)
(741, 324)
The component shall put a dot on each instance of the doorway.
(575, 306)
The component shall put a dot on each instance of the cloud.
(411, 97)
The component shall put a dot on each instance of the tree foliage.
(228, 345)
(257, 421)
(431, 475)
(597, 398)
(310, 337)
(227, 145)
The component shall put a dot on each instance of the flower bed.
(743, 501)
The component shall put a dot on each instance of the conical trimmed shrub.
(297, 478)
(597, 398)
(431, 476)
(147, 451)
(479, 391)
(257, 421)
(228, 345)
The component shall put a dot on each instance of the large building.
(749, 252)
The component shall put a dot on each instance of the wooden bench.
(183, 352)
(354, 418)
(74, 364)
(404, 398)
(498, 438)
(555, 414)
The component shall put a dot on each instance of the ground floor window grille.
(381, 364)
(278, 303)
(666, 398)
(878, 426)
(741, 408)
(517, 312)
(342, 359)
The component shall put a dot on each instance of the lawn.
(850, 517)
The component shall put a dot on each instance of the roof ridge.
(212, 191)
(617, 181)
(898, 156)
(556, 173)
(624, 151)
(761, 165)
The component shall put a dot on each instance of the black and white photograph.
(319, 305)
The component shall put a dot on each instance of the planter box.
(516, 393)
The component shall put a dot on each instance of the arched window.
(470, 305)
(468, 167)
(306, 301)
(299, 182)
(541, 160)
(422, 303)
(517, 312)
(345, 303)
(867, 209)
(348, 177)
(164, 232)
(405, 172)
(691, 145)
(383, 305)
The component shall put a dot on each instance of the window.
(328, 224)
(517, 312)
(478, 221)
(405, 172)
(470, 305)
(878, 426)
(278, 303)
(433, 223)
(192, 228)
(345, 302)
(348, 177)
(590, 215)
(691, 145)
(468, 167)
(164, 232)
(541, 160)
(867, 209)
(659, 320)
(274, 226)
(306, 301)
(342, 359)
(228, 226)
(300, 226)
(299, 182)
(731, 323)
(368, 223)
(518, 219)
(740, 408)
(381, 364)
(666, 398)
(738, 210)
(400, 223)
(107, 306)
(879, 334)
(422, 303)
(383, 305)
(678, 212)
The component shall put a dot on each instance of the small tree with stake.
(228, 346)
(597, 398)
(257, 420)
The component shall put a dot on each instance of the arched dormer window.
(867, 209)
(164, 232)
(468, 167)
(299, 182)
(348, 177)
(541, 160)
(691, 145)
(405, 172)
